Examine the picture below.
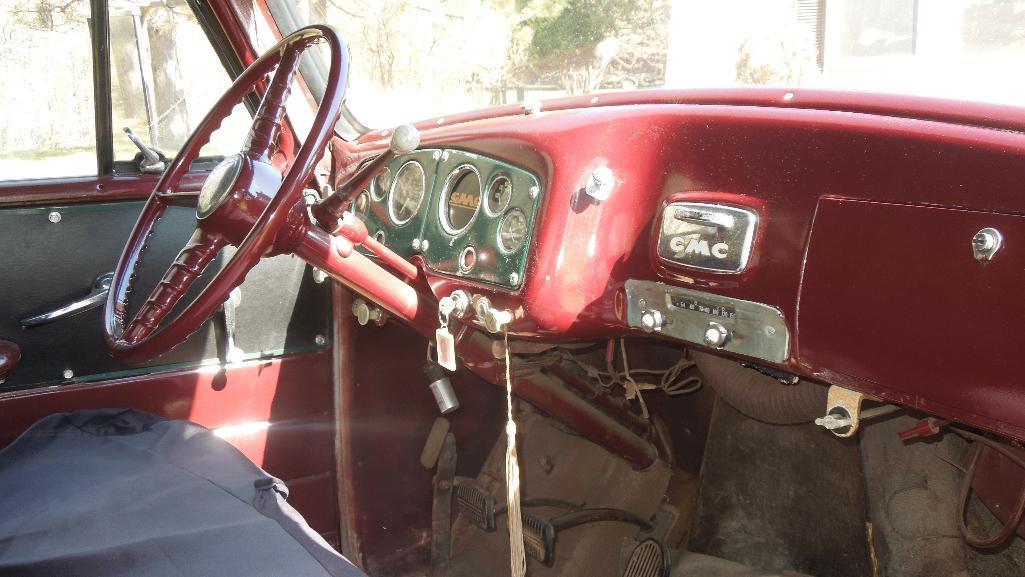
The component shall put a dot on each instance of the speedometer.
(407, 192)
(512, 231)
(461, 199)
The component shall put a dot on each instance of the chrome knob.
(716, 335)
(365, 313)
(600, 183)
(652, 320)
(986, 243)
(405, 139)
(497, 319)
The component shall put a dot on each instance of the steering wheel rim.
(283, 217)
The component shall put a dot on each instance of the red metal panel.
(894, 302)
(981, 114)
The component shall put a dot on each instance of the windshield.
(415, 59)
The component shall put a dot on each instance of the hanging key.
(454, 305)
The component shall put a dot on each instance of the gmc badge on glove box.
(706, 236)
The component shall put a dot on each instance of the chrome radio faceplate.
(743, 327)
(707, 236)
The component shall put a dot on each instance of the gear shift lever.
(328, 213)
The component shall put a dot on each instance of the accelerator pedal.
(650, 558)
(539, 538)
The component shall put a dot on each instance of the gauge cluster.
(469, 216)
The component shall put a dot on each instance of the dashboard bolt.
(68, 374)
(437, 154)
(54, 217)
(320, 340)
(416, 244)
(425, 244)
(319, 276)
(514, 278)
(444, 156)
(534, 191)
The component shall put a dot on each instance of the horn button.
(219, 185)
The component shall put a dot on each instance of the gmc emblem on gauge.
(707, 236)
(681, 245)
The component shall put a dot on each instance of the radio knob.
(651, 320)
(716, 335)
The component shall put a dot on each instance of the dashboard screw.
(424, 244)
(514, 278)
(444, 156)
(319, 276)
(437, 154)
(534, 191)
(416, 244)
(320, 340)
(68, 374)
(54, 217)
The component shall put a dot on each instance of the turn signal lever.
(329, 211)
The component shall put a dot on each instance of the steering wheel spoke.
(184, 199)
(197, 255)
(270, 115)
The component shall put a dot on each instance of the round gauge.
(499, 194)
(461, 199)
(407, 192)
(381, 183)
(513, 230)
(362, 201)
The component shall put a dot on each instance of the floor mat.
(781, 498)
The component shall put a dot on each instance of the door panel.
(278, 412)
(50, 264)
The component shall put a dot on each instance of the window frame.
(106, 163)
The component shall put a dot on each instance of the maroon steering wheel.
(245, 202)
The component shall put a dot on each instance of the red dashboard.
(866, 212)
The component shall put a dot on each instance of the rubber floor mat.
(781, 497)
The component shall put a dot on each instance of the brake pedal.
(476, 504)
(539, 538)
(650, 558)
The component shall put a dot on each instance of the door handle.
(96, 297)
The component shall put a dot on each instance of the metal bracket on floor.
(441, 518)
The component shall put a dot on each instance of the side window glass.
(165, 77)
(47, 114)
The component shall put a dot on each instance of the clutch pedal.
(650, 558)
(476, 505)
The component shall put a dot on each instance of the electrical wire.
(1018, 513)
